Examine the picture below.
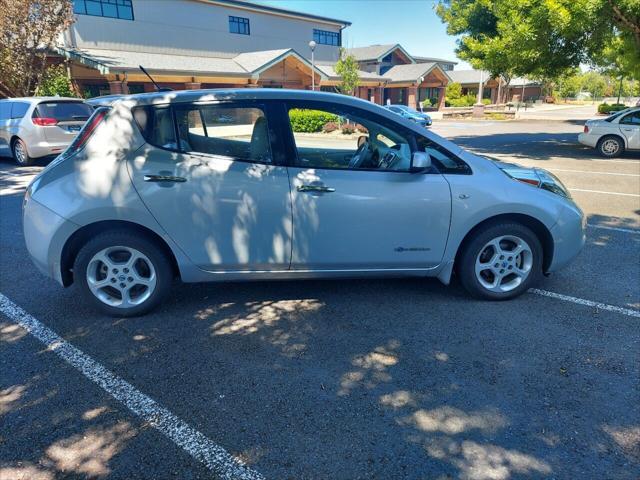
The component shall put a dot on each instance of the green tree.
(55, 81)
(347, 68)
(454, 90)
(594, 83)
(28, 29)
(541, 39)
(569, 84)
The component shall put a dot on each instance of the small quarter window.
(19, 109)
(444, 161)
(156, 126)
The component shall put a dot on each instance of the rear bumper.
(588, 140)
(45, 233)
(45, 148)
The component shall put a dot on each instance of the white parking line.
(615, 229)
(589, 303)
(594, 173)
(603, 192)
(214, 457)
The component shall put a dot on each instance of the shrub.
(330, 127)
(348, 129)
(426, 103)
(614, 107)
(56, 82)
(486, 101)
(465, 101)
(362, 129)
(310, 121)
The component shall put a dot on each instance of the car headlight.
(548, 181)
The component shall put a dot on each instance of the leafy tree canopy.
(28, 28)
(542, 39)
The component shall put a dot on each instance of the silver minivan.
(35, 127)
(265, 184)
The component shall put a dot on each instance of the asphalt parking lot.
(376, 379)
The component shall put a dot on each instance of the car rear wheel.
(501, 262)
(20, 154)
(123, 274)
(610, 146)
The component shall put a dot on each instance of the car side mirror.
(420, 161)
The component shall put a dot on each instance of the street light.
(312, 46)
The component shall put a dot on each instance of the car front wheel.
(501, 262)
(123, 274)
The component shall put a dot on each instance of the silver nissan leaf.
(261, 184)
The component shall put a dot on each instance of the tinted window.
(239, 25)
(64, 111)
(631, 119)
(19, 109)
(445, 161)
(240, 133)
(331, 136)
(324, 37)
(104, 8)
(5, 110)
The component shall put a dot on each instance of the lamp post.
(312, 46)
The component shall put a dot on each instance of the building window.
(122, 9)
(239, 25)
(322, 37)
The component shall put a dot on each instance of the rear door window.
(237, 132)
(5, 110)
(65, 111)
(19, 109)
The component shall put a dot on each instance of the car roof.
(218, 94)
(44, 99)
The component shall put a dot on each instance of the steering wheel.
(359, 157)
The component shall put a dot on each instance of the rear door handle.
(164, 179)
(315, 188)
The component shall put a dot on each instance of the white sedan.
(613, 135)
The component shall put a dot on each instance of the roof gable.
(377, 52)
(413, 72)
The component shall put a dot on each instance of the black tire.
(113, 238)
(466, 261)
(20, 153)
(610, 146)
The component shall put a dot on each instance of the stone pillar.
(192, 85)
(412, 97)
(441, 95)
(116, 87)
(377, 95)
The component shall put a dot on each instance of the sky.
(411, 23)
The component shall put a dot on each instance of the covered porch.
(412, 84)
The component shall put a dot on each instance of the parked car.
(613, 135)
(159, 186)
(35, 127)
(411, 114)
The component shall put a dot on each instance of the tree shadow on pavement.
(536, 146)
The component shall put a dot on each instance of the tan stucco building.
(189, 44)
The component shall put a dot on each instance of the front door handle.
(164, 179)
(315, 188)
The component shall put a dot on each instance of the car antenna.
(158, 87)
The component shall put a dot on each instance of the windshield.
(64, 111)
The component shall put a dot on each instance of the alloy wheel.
(504, 263)
(610, 146)
(19, 152)
(121, 277)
